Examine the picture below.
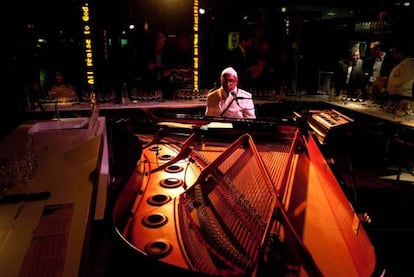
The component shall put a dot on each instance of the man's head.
(228, 79)
(400, 51)
(354, 54)
(59, 78)
(246, 40)
(376, 49)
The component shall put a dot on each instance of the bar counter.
(58, 186)
(361, 107)
(85, 106)
(375, 110)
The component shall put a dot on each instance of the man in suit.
(156, 69)
(377, 68)
(349, 75)
(240, 58)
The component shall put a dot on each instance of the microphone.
(235, 98)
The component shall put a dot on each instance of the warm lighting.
(287, 25)
(90, 76)
(146, 26)
(195, 46)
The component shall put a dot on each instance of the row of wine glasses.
(133, 95)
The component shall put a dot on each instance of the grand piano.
(227, 197)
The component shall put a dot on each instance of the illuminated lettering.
(87, 30)
(195, 45)
(88, 45)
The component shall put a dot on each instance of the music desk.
(48, 236)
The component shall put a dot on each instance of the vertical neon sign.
(90, 76)
(195, 45)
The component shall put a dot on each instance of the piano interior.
(222, 201)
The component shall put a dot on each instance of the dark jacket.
(387, 64)
(356, 79)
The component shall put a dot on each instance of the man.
(157, 63)
(229, 100)
(349, 75)
(378, 67)
(62, 90)
(401, 80)
(240, 58)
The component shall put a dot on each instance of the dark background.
(322, 29)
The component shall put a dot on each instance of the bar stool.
(406, 145)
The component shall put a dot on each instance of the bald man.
(228, 100)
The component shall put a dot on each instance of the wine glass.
(410, 110)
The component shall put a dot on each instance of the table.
(65, 163)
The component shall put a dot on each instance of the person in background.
(349, 76)
(228, 100)
(182, 52)
(62, 90)
(401, 79)
(33, 92)
(181, 71)
(240, 58)
(377, 68)
(262, 73)
(157, 63)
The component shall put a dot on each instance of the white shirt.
(376, 68)
(400, 81)
(238, 104)
(348, 74)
